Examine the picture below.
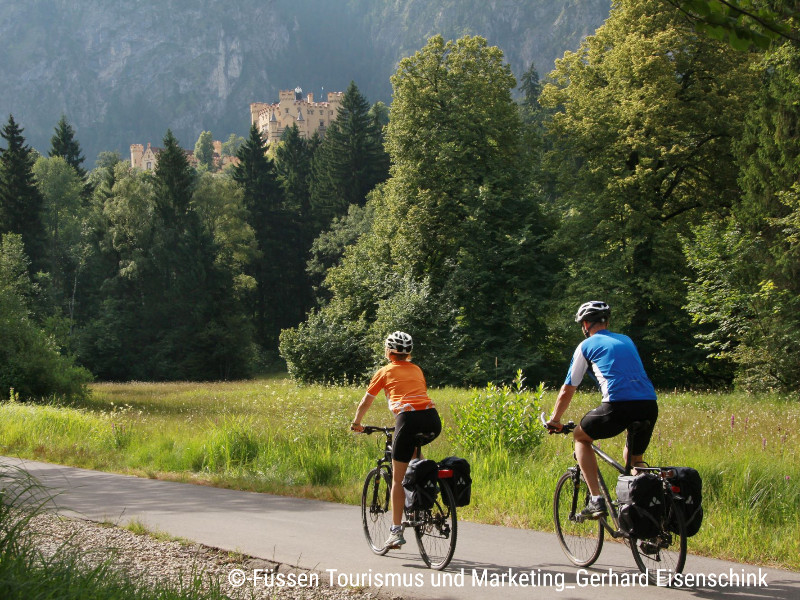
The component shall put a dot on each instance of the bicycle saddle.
(424, 438)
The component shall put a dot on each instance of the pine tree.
(20, 200)
(64, 144)
(263, 198)
(351, 160)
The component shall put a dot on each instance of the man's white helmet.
(593, 311)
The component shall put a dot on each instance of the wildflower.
(787, 478)
(733, 420)
(763, 443)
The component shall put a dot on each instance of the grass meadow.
(270, 435)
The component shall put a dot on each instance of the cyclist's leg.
(402, 451)
(399, 469)
(600, 423)
(404, 448)
(639, 439)
(586, 459)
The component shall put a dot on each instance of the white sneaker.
(395, 540)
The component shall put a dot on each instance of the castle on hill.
(293, 108)
(147, 158)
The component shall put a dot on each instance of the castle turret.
(137, 151)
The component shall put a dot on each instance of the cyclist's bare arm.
(362, 409)
(562, 403)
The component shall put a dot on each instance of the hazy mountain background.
(124, 72)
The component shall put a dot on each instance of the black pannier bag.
(641, 505)
(421, 484)
(687, 486)
(461, 483)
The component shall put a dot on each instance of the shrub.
(31, 361)
(504, 416)
(327, 350)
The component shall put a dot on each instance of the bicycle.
(582, 538)
(435, 529)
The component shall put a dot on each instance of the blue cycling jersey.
(616, 367)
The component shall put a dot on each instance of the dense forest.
(655, 168)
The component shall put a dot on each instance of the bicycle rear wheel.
(438, 529)
(581, 539)
(376, 512)
(664, 554)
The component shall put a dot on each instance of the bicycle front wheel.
(664, 554)
(376, 511)
(581, 539)
(438, 529)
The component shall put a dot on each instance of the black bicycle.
(581, 538)
(435, 528)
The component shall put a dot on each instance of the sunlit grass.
(271, 435)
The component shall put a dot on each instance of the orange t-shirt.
(404, 385)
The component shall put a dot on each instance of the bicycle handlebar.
(566, 428)
(370, 429)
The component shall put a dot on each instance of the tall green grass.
(26, 573)
(271, 435)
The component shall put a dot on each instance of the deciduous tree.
(646, 112)
(204, 151)
(453, 253)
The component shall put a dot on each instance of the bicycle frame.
(611, 506)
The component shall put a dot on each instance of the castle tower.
(137, 151)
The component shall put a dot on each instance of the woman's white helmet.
(399, 342)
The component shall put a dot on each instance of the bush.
(30, 359)
(326, 350)
(504, 417)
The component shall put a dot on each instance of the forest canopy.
(655, 168)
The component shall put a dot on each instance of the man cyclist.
(628, 395)
(407, 393)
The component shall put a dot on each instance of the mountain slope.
(124, 72)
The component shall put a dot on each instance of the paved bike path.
(490, 561)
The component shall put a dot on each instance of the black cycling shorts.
(612, 418)
(408, 425)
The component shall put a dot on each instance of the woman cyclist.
(407, 393)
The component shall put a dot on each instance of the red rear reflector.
(445, 473)
(676, 489)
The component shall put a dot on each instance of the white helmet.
(593, 311)
(399, 342)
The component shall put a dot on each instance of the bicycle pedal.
(648, 548)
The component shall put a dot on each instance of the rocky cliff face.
(124, 72)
